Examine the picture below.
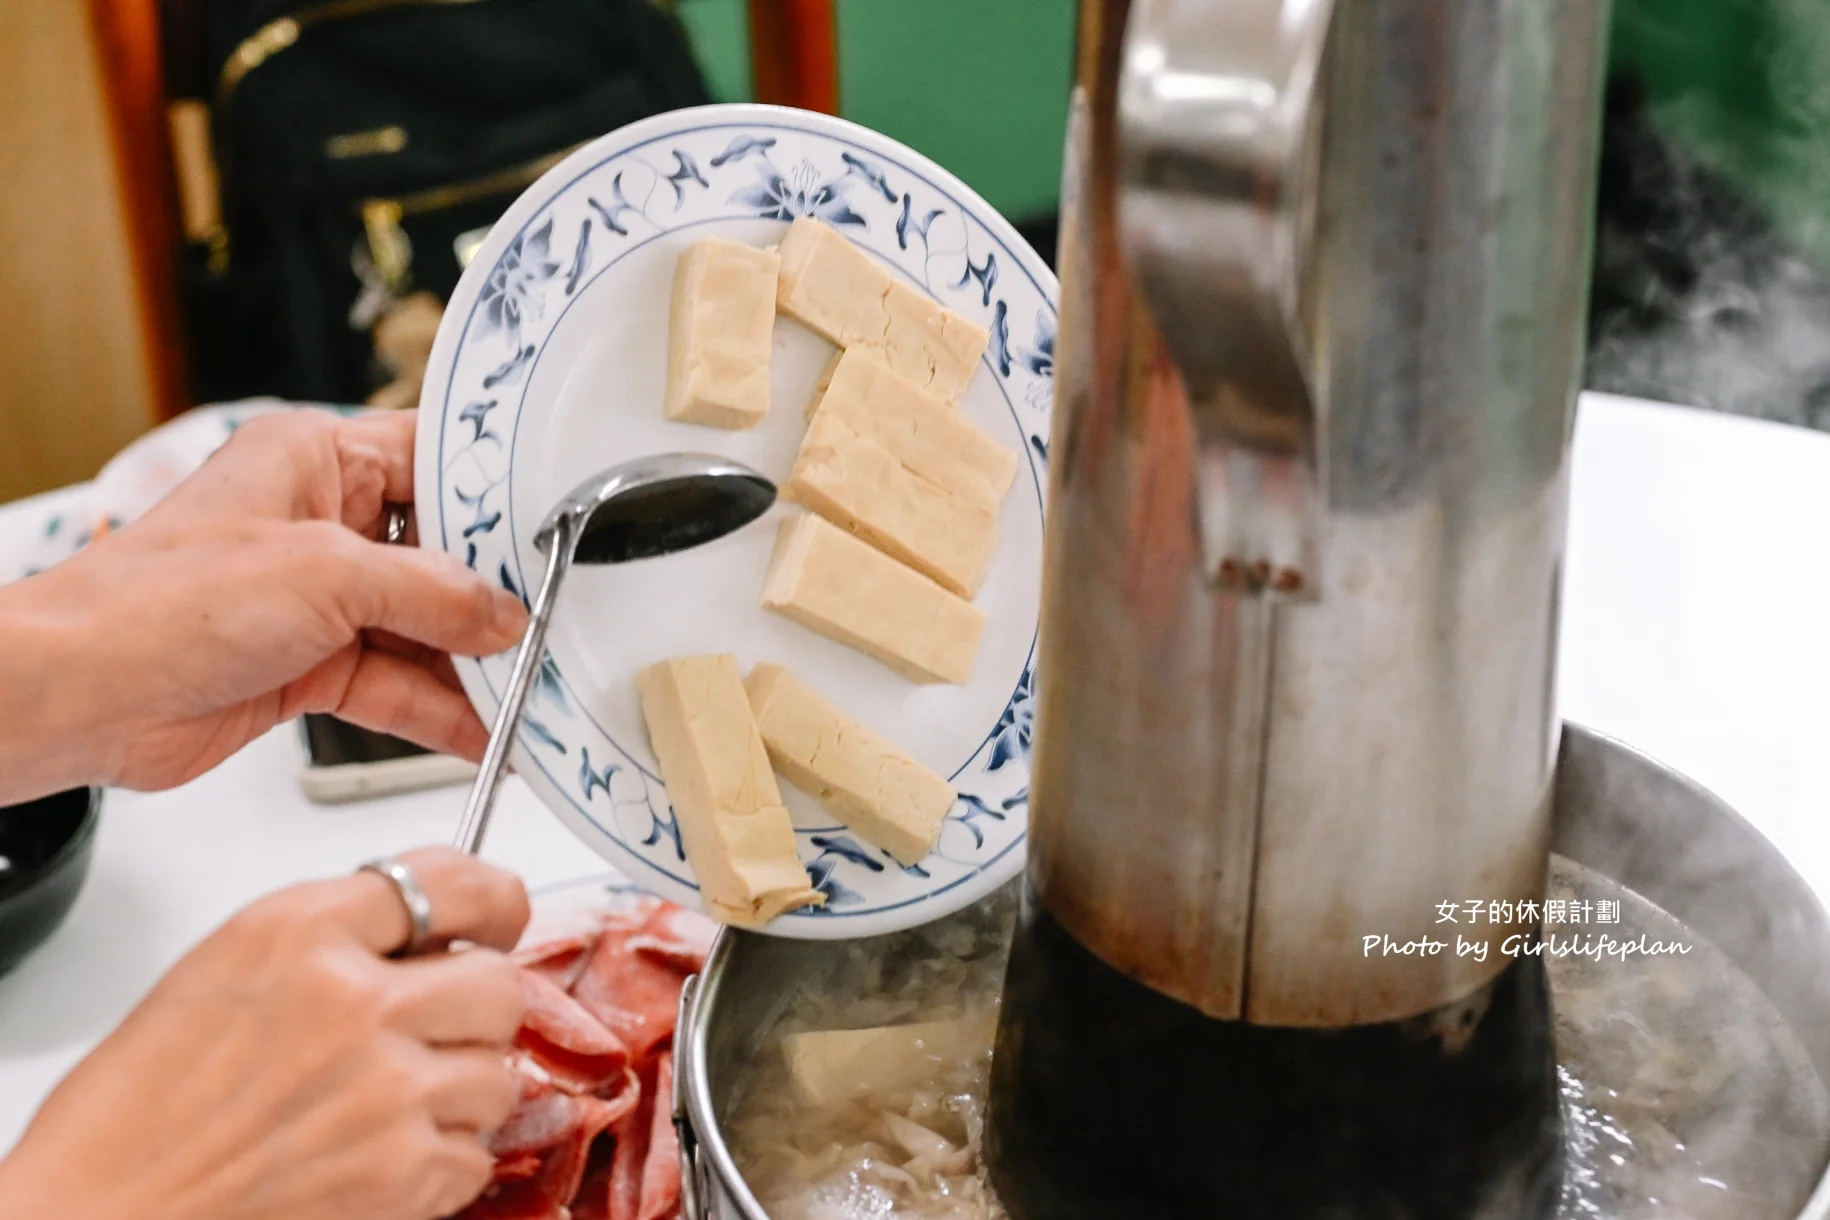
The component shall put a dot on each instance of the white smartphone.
(342, 763)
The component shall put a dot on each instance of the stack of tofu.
(904, 495)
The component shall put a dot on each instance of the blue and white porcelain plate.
(550, 365)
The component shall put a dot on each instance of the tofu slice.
(737, 835)
(927, 435)
(720, 332)
(857, 484)
(855, 301)
(824, 380)
(859, 775)
(846, 589)
(831, 1066)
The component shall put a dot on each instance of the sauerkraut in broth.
(1685, 1094)
(886, 1125)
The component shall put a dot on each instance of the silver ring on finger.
(412, 896)
(396, 531)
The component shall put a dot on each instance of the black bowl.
(46, 845)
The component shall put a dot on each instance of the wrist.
(52, 725)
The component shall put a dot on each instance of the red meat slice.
(626, 1165)
(561, 957)
(677, 938)
(541, 1118)
(517, 1201)
(661, 1166)
(593, 1201)
(565, 1169)
(559, 960)
(573, 1046)
(612, 1189)
(631, 915)
(545, 1118)
(545, 1194)
(592, 1137)
(517, 1168)
(622, 1100)
(634, 995)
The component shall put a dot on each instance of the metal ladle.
(639, 510)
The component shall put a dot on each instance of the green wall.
(719, 31)
(981, 86)
(1743, 87)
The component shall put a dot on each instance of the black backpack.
(364, 146)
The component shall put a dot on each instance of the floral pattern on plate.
(694, 168)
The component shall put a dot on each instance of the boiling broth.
(1684, 1093)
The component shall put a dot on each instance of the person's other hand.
(256, 591)
(287, 1070)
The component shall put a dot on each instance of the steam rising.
(1697, 296)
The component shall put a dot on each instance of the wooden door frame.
(794, 62)
(794, 54)
(125, 35)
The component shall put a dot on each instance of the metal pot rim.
(705, 1163)
(708, 1167)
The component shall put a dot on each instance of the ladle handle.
(482, 800)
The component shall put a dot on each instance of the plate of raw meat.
(592, 1137)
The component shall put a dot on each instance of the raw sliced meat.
(541, 1118)
(661, 1166)
(626, 1165)
(676, 937)
(546, 1194)
(516, 1168)
(513, 1202)
(623, 1099)
(560, 960)
(632, 914)
(565, 1168)
(593, 1199)
(592, 1136)
(634, 995)
(545, 1117)
(574, 1047)
(555, 948)
(564, 945)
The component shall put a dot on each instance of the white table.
(1696, 627)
